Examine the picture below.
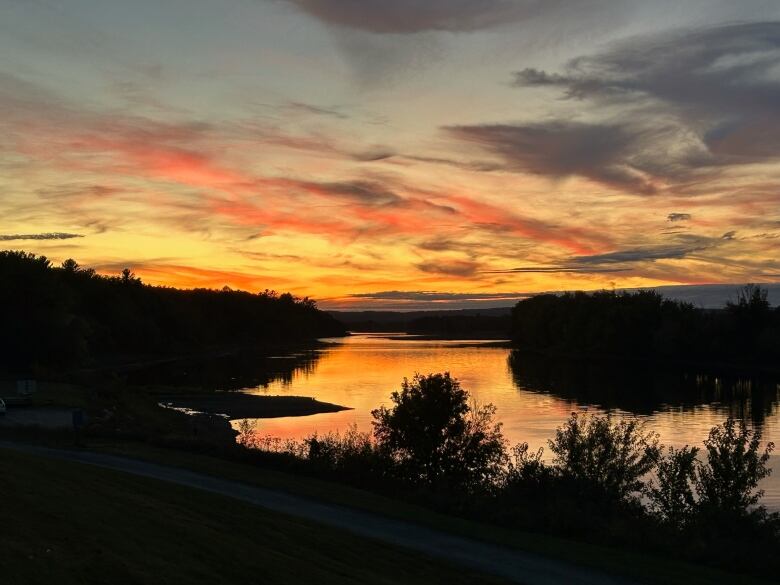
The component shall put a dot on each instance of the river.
(532, 396)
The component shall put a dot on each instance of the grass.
(68, 523)
(640, 567)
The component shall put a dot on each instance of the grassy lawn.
(68, 523)
(642, 568)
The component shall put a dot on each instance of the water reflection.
(230, 371)
(644, 389)
(532, 397)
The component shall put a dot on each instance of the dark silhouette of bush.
(70, 316)
(605, 459)
(351, 455)
(431, 447)
(671, 495)
(727, 483)
(437, 438)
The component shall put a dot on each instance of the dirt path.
(514, 565)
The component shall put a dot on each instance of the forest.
(646, 325)
(68, 316)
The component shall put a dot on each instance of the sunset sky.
(378, 152)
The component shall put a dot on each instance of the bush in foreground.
(433, 446)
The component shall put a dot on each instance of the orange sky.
(354, 152)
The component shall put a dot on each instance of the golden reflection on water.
(361, 371)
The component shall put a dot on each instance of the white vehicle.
(2, 406)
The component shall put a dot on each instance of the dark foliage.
(646, 325)
(728, 482)
(604, 459)
(672, 496)
(437, 438)
(68, 316)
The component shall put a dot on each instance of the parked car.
(2, 406)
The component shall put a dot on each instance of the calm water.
(532, 396)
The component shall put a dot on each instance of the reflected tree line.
(230, 371)
(645, 388)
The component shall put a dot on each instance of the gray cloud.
(450, 267)
(555, 269)
(412, 16)
(608, 153)
(397, 295)
(44, 236)
(366, 192)
(650, 253)
(684, 246)
(675, 107)
(300, 107)
(678, 217)
(713, 92)
(622, 260)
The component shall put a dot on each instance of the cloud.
(365, 192)
(650, 253)
(674, 107)
(678, 217)
(397, 295)
(607, 153)
(303, 108)
(413, 16)
(680, 105)
(557, 269)
(44, 236)
(684, 246)
(450, 267)
(626, 259)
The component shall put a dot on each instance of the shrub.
(353, 454)
(728, 481)
(607, 459)
(672, 497)
(437, 437)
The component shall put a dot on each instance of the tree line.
(607, 481)
(68, 315)
(644, 324)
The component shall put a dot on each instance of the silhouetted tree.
(671, 495)
(728, 481)
(56, 317)
(606, 458)
(436, 436)
(645, 325)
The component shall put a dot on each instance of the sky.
(384, 153)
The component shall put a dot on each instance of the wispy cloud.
(397, 295)
(680, 105)
(412, 16)
(461, 268)
(43, 236)
(608, 153)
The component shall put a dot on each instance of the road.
(514, 565)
